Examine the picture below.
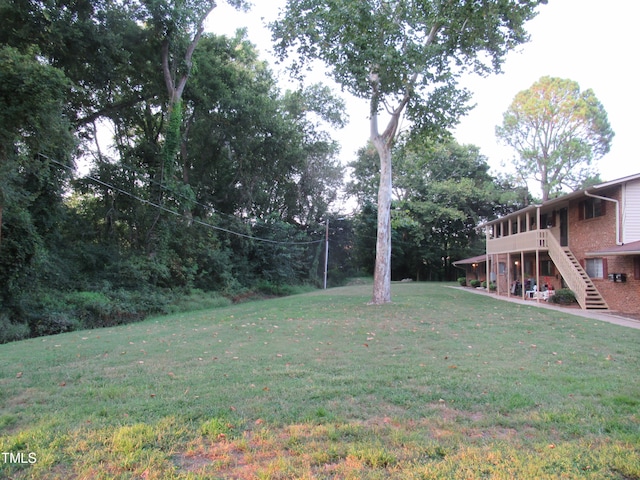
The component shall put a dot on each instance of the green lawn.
(440, 384)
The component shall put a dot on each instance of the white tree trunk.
(383, 143)
(382, 271)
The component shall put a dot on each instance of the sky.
(590, 41)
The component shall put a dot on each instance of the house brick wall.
(589, 235)
(623, 297)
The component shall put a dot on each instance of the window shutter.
(636, 268)
(581, 211)
(605, 268)
(603, 207)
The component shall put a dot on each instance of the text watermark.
(19, 458)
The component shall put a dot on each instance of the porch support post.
(486, 258)
(537, 275)
(508, 274)
(538, 255)
(496, 265)
(522, 273)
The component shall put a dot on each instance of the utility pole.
(326, 253)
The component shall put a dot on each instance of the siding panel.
(631, 216)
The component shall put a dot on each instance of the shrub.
(493, 287)
(90, 308)
(11, 332)
(475, 283)
(462, 281)
(564, 296)
(54, 323)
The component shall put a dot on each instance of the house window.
(636, 268)
(594, 267)
(592, 208)
(502, 268)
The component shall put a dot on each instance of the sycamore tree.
(404, 57)
(558, 132)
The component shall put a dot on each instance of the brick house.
(588, 241)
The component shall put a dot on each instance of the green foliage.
(10, 331)
(557, 131)
(405, 59)
(475, 283)
(563, 296)
(462, 281)
(395, 42)
(151, 228)
(442, 190)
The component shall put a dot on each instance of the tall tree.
(558, 132)
(251, 151)
(442, 190)
(404, 57)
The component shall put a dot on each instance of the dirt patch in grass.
(356, 449)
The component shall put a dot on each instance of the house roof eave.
(631, 248)
(469, 261)
(564, 198)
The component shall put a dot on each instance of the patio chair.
(532, 293)
(548, 293)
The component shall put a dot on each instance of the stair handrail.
(573, 274)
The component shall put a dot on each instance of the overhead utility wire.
(182, 195)
(178, 194)
(173, 212)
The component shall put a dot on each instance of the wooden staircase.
(575, 276)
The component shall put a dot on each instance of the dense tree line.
(212, 183)
(212, 179)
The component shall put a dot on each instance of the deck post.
(522, 273)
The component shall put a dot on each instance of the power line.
(182, 195)
(173, 212)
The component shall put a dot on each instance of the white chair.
(532, 293)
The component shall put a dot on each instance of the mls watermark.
(18, 458)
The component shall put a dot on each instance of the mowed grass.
(440, 384)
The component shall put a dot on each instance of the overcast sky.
(590, 41)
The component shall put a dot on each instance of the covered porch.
(528, 254)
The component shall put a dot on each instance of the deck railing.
(543, 240)
(519, 242)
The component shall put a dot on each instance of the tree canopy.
(403, 57)
(443, 190)
(212, 178)
(558, 132)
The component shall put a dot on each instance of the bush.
(54, 323)
(475, 283)
(462, 281)
(90, 308)
(564, 296)
(11, 332)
